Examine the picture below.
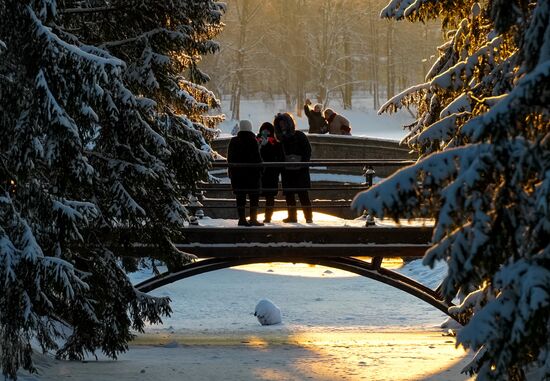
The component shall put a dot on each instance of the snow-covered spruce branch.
(531, 93)
(171, 34)
(396, 9)
(441, 130)
(43, 31)
(448, 55)
(403, 187)
(71, 11)
(508, 315)
(403, 98)
(461, 73)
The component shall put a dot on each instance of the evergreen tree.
(103, 135)
(483, 136)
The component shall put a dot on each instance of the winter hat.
(318, 106)
(284, 125)
(269, 127)
(245, 125)
(328, 113)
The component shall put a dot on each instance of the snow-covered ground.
(311, 298)
(363, 118)
(335, 326)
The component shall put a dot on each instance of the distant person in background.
(244, 148)
(296, 148)
(271, 150)
(317, 123)
(337, 124)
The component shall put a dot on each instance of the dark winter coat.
(272, 151)
(317, 123)
(244, 148)
(296, 144)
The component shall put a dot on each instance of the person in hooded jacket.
(271, 150)
(317, 123)
(337, 124)
(244, 148)
(296, 148)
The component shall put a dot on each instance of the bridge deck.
(306, 241)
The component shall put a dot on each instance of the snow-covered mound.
(267, 312)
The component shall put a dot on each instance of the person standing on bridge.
(271, 150)
(296, 180)
(317, 123)
(337, 124)
(244, 149)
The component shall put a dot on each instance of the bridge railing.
(327, 196)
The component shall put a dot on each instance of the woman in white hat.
(244, 148)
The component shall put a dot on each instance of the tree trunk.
(348, 87)
(375, 62)
(324, 54)
(240, 59)
(390, 70)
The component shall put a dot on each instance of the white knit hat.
(245, 125)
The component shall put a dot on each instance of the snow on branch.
(125, 201)
(398, 101)
(530, 93)
(68, 11)
(435, 169)
(460, 74)
(441, 130)
(46, 32)
(56, 113)
(400, 9)
(459, 104)
(396, 9)
(200, 92)
(171, 34)
(523, 296)
(9, 259)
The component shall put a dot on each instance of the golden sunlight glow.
(279, 215)
(334, 354)
(378, 355)
(311, 271)
(255, 342)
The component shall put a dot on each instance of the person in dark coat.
(296, 148)
(244, 148)
(271, 150)
(315, 118)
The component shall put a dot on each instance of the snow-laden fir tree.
(483, 136)
(103, 135)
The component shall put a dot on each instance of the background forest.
(328, 49)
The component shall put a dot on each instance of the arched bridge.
(359, 250)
